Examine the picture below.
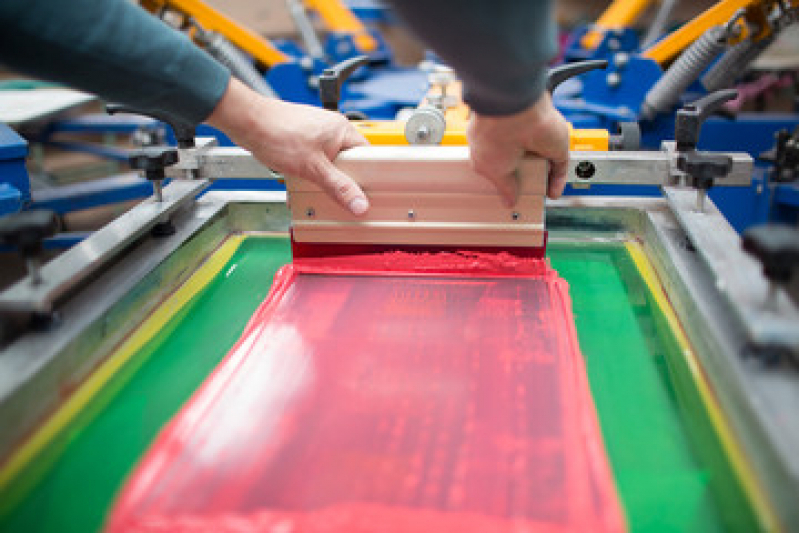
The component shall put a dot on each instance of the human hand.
(293, 139)
(498, 144)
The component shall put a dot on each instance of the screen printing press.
(131, 400)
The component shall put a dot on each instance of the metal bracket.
(76, 264)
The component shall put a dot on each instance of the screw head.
(515, 215)
(411, 214)
(585, 170)
(613, 79)
(310, 212)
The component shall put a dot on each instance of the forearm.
(500, 48)
(114, 49)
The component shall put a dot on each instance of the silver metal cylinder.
(665, 94)
(733, 64)
(239, 65)
(426, 125)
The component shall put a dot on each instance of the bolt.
(306, 63)
(411, 214)
(343, 48)
(622, 59)
(310, 212)
(613, 79)
(585, 170)
(423, 133)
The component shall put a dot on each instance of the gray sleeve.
(114, 49)
(499, 48)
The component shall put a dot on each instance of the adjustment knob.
(777, 248)
(153, 160)
(26, 231)
(704, 168)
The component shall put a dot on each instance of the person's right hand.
(293, 139)
(498, 144)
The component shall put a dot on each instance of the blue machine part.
(93, 193)
(372, 11)
(613, 41)
(379, 91)
(10, 199)
(13, 151)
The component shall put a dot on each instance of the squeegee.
(423, 198)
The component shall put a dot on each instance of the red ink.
(395, 393)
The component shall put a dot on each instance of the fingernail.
(359, 205)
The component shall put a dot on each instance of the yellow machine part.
(339, 18)
(620, 14)
(212, 20)
(718, 15)
(392, 132)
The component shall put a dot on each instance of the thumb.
(352, 138)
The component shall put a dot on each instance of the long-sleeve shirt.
(115, 49)
(112, 48)
(499, 48)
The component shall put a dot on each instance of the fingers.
(339, 186)
(558, 172)
(496, 162)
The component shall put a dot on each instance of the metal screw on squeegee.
(333, 78)
(152, 161)
(26, 231)
(701, 168)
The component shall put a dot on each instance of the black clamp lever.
(784, 157)
(333, 78)
(701, 168)
(152, 161)
(184, 131)
(26, 231)
(689, 120)
(777, 249)
(561, 73)
(629, 136)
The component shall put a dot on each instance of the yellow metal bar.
(124, 357)
(339, 18)
(210, 19)
(765, 513)
(620, 14)
(392, 132)
(718, 15)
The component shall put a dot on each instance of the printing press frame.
(716, 290)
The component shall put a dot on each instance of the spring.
(684, 71)
(239, 65)
(733, 64)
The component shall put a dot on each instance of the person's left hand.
(293, 139)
